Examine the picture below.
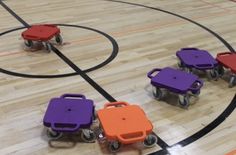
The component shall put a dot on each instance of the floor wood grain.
(147, 39)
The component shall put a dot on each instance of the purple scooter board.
(68, 114)
(175, 81)
(193, 58)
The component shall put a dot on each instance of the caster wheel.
(150, 141)
(214, 74)
(196, 85)
(184, 101)
(29, 43)
(88, 136)
(53, 134)
(158, 93)
(232, 81)
(48, 47)
(220, 70)
(100, 136)
(114, 146)
(180, 65)
(95, 116)
(59, 39)
(188, 70)
(197, 93)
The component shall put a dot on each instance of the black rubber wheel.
(88, 136)
(196, 85)
(188, 70)
(95, 116)
(180, 64)
(150, 141)
(232, 81)
(158, 93)
(59, 39)
(214, 74)
(220, 70)
(100, 135)
(53, 134)
(48, 47)
(196, 93)
(29, 43)
(114, 146)
(184, 102)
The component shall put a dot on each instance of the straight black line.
(160, 152)
(234, 1)
(105, 94)
(115, 50)
(225, 113)
(161, 142)
(66, 60)
(14, 14)
(84, 75)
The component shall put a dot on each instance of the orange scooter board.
(124, 123)
(231, 153)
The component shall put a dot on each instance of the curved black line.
(231, 49)
(114, 53)
(96, 86)
(79, 71)
(36, 76)
(225, 113)
(112, 40)
(220, 119)
(210, 126)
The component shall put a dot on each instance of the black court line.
(14, 14)
(185, 18)
(105, 94)
(197, 135)
(221, 118)
(36, 76)
(161, 142)
(114, 53)
(66, 60)
(225, 113)
(84, 75)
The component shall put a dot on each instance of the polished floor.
(147, 38)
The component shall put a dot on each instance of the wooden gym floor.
(147, 38)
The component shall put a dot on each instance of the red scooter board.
(41, 32)
(228, 60)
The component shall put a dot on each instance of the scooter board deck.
(41, 32)
(196, 58)
(69, 114)
(174, 80)
(228, 60)
(128, 123)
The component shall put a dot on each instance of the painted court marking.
(184, 142)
